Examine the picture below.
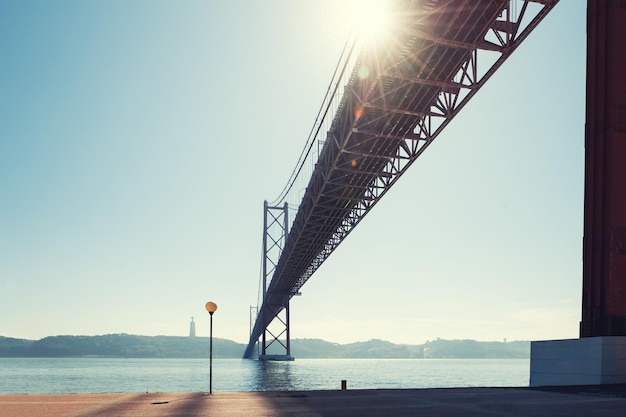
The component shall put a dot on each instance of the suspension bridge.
(388, 100)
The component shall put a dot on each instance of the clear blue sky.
(139, 139)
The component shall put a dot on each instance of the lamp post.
(211, 307)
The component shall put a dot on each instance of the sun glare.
(371, 19)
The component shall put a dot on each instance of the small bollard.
(344, 385)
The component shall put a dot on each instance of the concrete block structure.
(584, 361)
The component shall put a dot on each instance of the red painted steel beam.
(604, 244)
(418, 81)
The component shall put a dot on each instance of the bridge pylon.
(275, 343)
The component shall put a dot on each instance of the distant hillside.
(120, 345)
(132, 346)
(471, 349)
(437, 349)
(316, 348)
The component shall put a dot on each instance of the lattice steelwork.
(400, 96)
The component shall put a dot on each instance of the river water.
(98, 375)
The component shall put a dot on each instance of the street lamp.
(211, 307)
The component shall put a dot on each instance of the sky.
(139, 139)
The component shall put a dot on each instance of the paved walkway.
(465, 402)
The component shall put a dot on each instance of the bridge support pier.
(276, 330)
(599, 356)
(283, 345)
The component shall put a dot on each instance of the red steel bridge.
(391, 99)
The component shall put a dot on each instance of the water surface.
(95, 375)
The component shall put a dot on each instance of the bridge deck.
(415, 84)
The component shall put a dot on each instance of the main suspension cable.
(313, 133)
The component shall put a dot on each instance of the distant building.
(192, 328)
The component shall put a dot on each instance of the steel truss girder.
(417, 84)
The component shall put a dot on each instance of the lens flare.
(372, 19)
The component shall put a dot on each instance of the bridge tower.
(604, 244)
(599, 356)
(277, 332)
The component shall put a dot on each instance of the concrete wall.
(585, 361)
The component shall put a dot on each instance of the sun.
(371, 19)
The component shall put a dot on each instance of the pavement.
(591, 401)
